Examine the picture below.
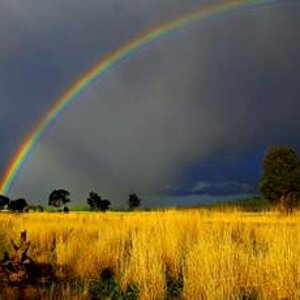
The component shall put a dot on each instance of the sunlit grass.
(198, 253)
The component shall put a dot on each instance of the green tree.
(59, 198)
(280, 182)
(134, 201)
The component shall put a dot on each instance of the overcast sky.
(189, 117)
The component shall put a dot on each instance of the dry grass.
(196, 254)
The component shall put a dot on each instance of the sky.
(184, 121)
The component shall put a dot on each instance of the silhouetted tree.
(59, 198)
(97, 203)
(93, 200)
(3, 201)
(134, 201)
(104, 205)
(18, 205)
(280, 182)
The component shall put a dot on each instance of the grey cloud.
(46, 45)
(222, 85)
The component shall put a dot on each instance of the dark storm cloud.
(224, 85)
(46, 45)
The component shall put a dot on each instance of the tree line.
(59, 199)
(279, 183)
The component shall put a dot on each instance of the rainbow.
(105, 65)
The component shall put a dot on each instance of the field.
(185, 254)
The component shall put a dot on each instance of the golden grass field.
(200, 254)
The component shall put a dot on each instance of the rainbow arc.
(105, 65)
